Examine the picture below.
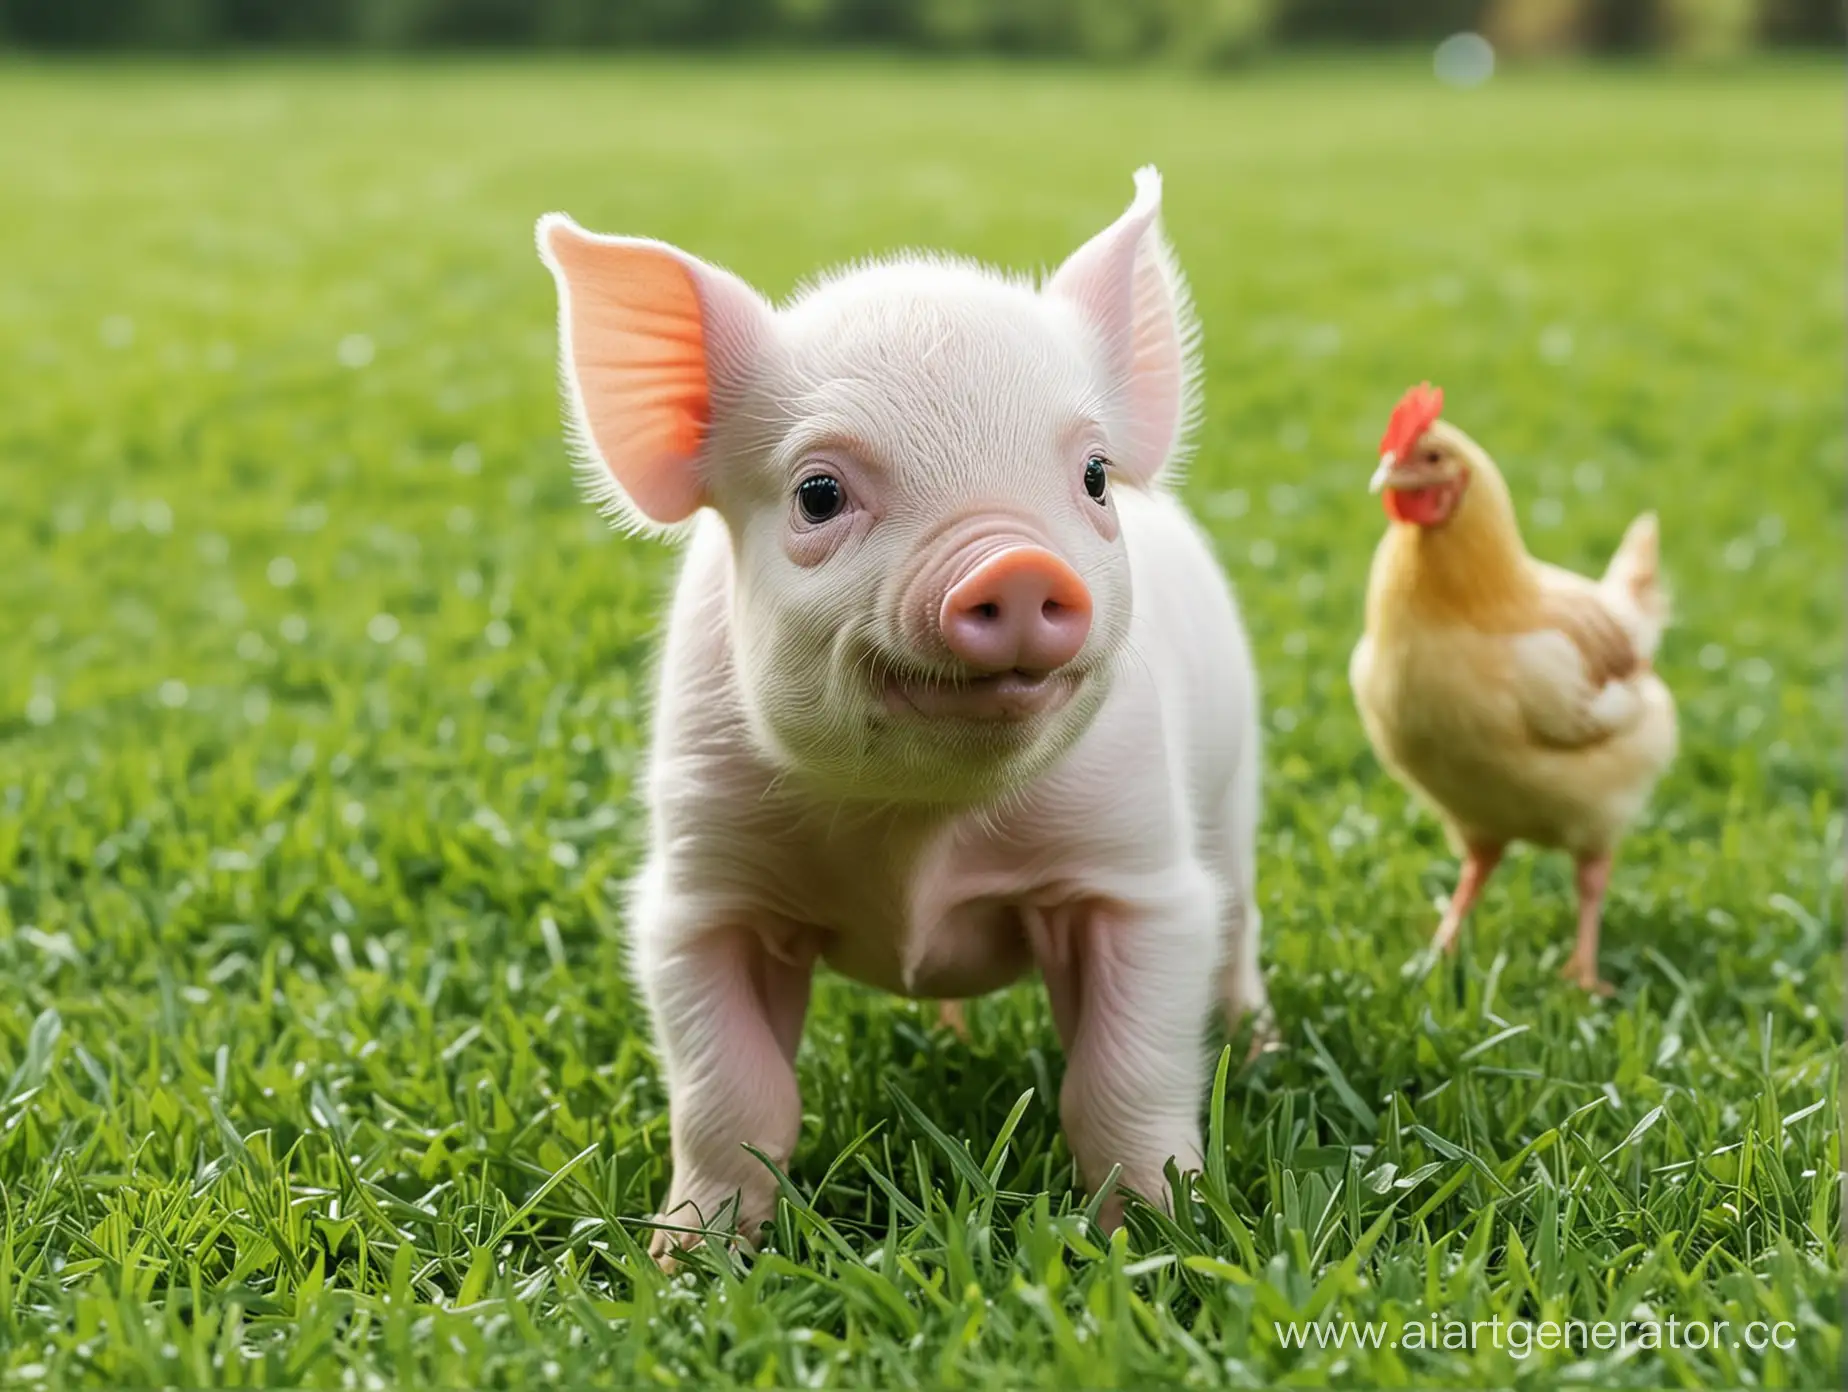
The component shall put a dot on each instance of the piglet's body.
(952, 690)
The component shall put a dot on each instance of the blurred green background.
(1195, 31)
(322, 697)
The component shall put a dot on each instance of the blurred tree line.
(1202, 31)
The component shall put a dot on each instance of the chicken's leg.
(1594, 873)
(1479, 863)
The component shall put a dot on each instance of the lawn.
(322, 697)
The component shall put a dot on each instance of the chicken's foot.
(1479, 863)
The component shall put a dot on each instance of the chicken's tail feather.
(1635, 578)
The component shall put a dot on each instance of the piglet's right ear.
(654, 344)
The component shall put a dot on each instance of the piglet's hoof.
(683, 1228)
(1265, 1039)
(950, 1016)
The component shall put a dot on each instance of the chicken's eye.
(1096, 477)
(1431, 456)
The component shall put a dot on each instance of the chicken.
(1515, 698)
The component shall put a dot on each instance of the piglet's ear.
(654, 344)
(1125, 283)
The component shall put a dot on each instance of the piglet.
(951, 688)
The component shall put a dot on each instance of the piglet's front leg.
(1132, 990)
(728, 1005)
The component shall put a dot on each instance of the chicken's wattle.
(1423, 507)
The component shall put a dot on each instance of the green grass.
(322, 696)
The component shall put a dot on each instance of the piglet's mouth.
(1002, 697)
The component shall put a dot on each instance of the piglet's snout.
(1021, 608)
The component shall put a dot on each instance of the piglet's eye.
(1096, 477)
(820, 497)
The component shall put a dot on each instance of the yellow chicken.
(1514, 697)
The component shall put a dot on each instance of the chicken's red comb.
(1416, 410)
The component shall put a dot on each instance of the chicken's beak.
(1383, 473)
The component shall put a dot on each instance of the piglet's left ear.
(656, 347)
(1125, 283)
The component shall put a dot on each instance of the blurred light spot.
(1757, 671)
(469, 583)
(281, 572)
(309, 517)
(213, 549)
(1464, 60)
(256, 706)
(1748, 719)
(221, 357)
(123, 514)
(251, 647)
(69, 518)
(41, 709)
(1556, 343)
(461, 521)
(1311, 585)
(382, 628)
(355, 351)
(466, 458)
(1283, 718)
(46, 628)
(353, 814)
(1234, 502)
(411, 650)
(1713, 657)
(1296, 642)
(498, 634)
(157, 517)
(564, 854)
(1322, 340)
(1548, 512)
(1740, 553)
(172, 693)
(294, 628)
(1588, 477)
(1263, 553)
(118, 331)
(1294, 436)
(1282, 499)
(1770, 529)
(1447, 289)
